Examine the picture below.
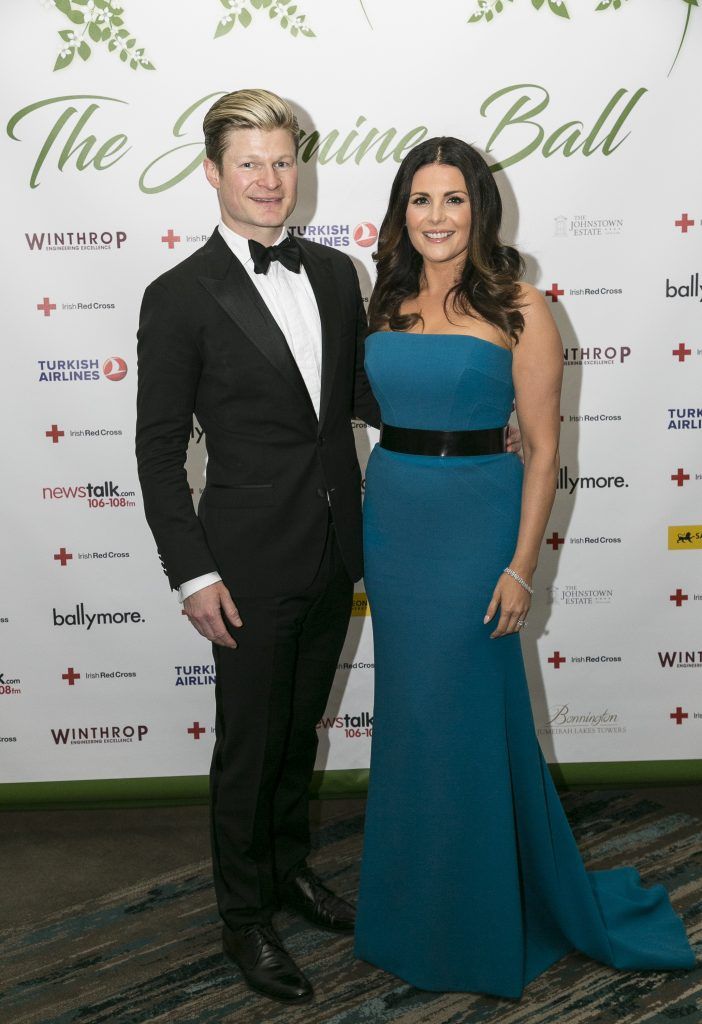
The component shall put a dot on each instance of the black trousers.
(271, 692)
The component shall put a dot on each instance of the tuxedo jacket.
(208, 345)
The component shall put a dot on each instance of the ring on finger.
(521, 623)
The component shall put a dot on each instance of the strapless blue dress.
(471, 879)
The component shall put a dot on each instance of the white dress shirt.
(291, 302)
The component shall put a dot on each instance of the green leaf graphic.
(243, 12)
(101, 23)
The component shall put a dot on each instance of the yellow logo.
(684, 538)
(360, 603)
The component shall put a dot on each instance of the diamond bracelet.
(518, 578)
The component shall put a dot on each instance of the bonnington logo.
(598, 355)
(352, 726)
(9, 687)
(592, 483)
(80, 617)
(564, 721)
(570, 594)
(685, 538)
(195, 675)
(680, 659)
(79, 139)
(75, 241)
(68, 371)
(685, 419)
(99, 734)
(103, 495)
(583, 225)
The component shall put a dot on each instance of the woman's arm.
(537, 371)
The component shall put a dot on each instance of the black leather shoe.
(307, 894)
(267, 968)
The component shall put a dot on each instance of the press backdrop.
(587, 113)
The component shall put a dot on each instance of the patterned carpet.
(152, 952)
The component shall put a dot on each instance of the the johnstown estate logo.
(78, 616)
(569, 594)
(92, 734)
(563, 720)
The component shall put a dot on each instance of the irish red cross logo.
(170, 238)
(46, 305)
(197, 730)
(678, 715)
(70, 675)
(684, 223)
(55, 433)
(554, 291)
(681, 352)
(557, 660)
(680, 477)
(678, 597)
(555, 541)
(63, 557)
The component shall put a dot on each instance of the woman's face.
(438, 213)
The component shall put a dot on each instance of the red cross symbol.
(63, 557)
(554, 291)
(557, 660)
(684, 223)
(71, 675)
(678, 715)
(197, 730)
(678, 597)
(170, 238)
(681, 352)
(681, 476)
(555, 541)
(46, 306)
(54, 433)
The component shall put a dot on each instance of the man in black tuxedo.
(261, 337)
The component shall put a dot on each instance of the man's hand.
(513, 441)
(206, 609)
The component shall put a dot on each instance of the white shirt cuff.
(191, 587)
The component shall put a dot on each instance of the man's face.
(257, 183)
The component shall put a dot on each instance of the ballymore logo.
(78, 616)
(690, 288)
(680, 659)
(685, 538)
(569, 483)
(98, 734)
(106, 494)
(75, 241)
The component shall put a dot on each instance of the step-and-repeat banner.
(585, 110)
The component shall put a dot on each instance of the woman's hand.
(514, 603)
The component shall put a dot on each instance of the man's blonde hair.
(246, 108)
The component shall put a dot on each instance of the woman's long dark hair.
(489, 283)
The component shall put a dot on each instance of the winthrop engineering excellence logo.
(99, 734)
(76, 241)
(680, 659)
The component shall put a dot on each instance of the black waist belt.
(442, 442)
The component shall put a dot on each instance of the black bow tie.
(287, 253)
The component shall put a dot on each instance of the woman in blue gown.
(471, 879)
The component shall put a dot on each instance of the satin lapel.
(233, 289)
(323, 285)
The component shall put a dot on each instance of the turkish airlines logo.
(365, 234)
(114, 368)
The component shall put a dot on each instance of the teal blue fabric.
(471, 879)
